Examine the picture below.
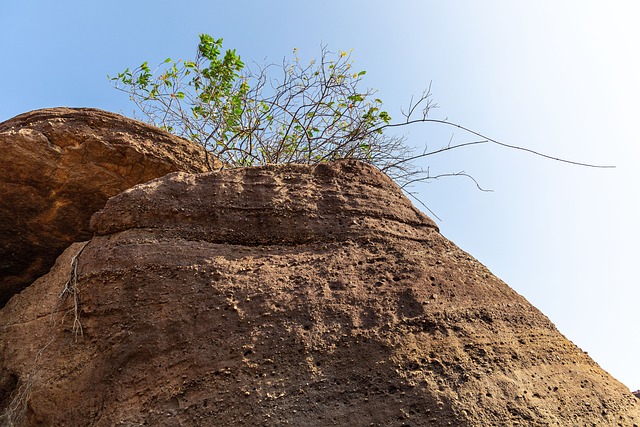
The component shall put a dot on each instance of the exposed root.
(14, 414)
(71, 290)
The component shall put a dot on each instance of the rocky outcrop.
(294, 295)
(59, 166)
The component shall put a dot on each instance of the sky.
(559, 77)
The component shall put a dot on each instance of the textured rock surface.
(303, 296)
(58, 166)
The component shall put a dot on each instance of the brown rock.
(59, 166)
(293, 295)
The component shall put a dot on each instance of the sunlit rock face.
(57, 167)
(286, 295)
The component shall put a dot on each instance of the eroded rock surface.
(302, 296)
(58, 166)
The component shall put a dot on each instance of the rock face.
(59, 166)
(298, 295)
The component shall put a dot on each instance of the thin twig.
(502, 144)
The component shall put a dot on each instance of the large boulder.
(292, 295)
(58, 166)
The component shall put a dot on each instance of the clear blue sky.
(559, 77)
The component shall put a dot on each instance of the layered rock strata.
(293, 295)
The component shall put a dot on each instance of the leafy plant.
(309, 113)
(287, 113)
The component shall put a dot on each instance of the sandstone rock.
(298, 295)
(59, 166)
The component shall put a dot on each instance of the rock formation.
(289, 295)
(59, 166)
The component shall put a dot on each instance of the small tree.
(245, 117)
(304, 114)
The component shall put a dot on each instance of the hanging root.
(14, 414)
(71, 289)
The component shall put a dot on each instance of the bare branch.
(444, 175)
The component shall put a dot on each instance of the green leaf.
(209, 47)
